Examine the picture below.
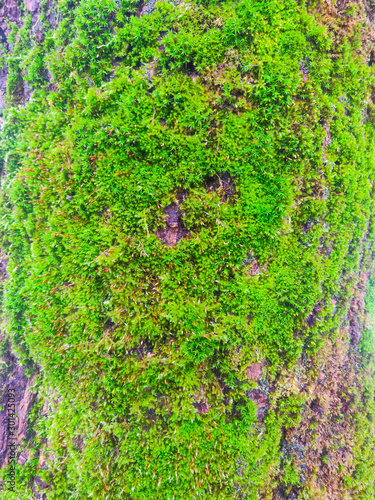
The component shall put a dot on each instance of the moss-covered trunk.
(187, 211)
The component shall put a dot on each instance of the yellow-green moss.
(129, 332)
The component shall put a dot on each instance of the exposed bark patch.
(254, 371)
(14, 378)
(148, 7)
(260, 398)
(174, 228)
(9, 13)
(201, 405)
(259, 395)
(254, 268)
(32, 5)
(252, 265)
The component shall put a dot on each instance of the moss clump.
(144, 346)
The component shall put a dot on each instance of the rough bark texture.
(13, 377)
(12, 374)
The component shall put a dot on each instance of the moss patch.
(256, 125)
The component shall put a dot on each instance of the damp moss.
(144, 346)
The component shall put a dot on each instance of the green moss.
(131, 333)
